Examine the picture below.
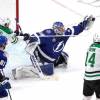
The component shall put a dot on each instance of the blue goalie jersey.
(51, 45)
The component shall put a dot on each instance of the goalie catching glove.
(26, 36)
(89, 22)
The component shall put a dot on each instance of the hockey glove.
(2, 78)
(26, 36)
(89, 21)
(5, 84)
(16, 32)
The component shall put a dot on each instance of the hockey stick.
(36, 64)
(8, 89)
(42, 76)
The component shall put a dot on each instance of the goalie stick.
(40, 73)
(36, 65)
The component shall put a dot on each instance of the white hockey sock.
(87, 97)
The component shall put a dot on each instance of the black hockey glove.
(16, 32)
(26, 36)
(2, 78)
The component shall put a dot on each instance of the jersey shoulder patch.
(48, 32)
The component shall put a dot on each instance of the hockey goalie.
(46, 48)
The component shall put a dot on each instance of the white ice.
(36, 16)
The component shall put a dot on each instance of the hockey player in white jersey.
(46, 48)
(5, 30)
(92, 70)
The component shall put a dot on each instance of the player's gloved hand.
(5, 84)
(3, 78)
(89, 21)
(16, 32)
(26, 36)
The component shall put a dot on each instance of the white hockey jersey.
(92, 63)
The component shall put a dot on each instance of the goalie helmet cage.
(10, 9)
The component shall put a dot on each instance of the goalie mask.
(58, 28)
(96, 38)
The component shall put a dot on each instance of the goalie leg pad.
(24, 72)
(48, 69)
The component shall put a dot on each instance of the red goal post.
(17, 15)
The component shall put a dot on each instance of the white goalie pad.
(24, 72)
(31, 47)
(30, 72)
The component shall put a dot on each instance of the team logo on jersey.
(58, 47)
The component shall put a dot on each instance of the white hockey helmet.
(6, 21)
(96, 38)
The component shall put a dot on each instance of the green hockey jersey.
(8, 33)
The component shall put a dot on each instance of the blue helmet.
(58, 28)
(3, 40)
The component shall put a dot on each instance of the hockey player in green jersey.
(6, 31)
(92, 70)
